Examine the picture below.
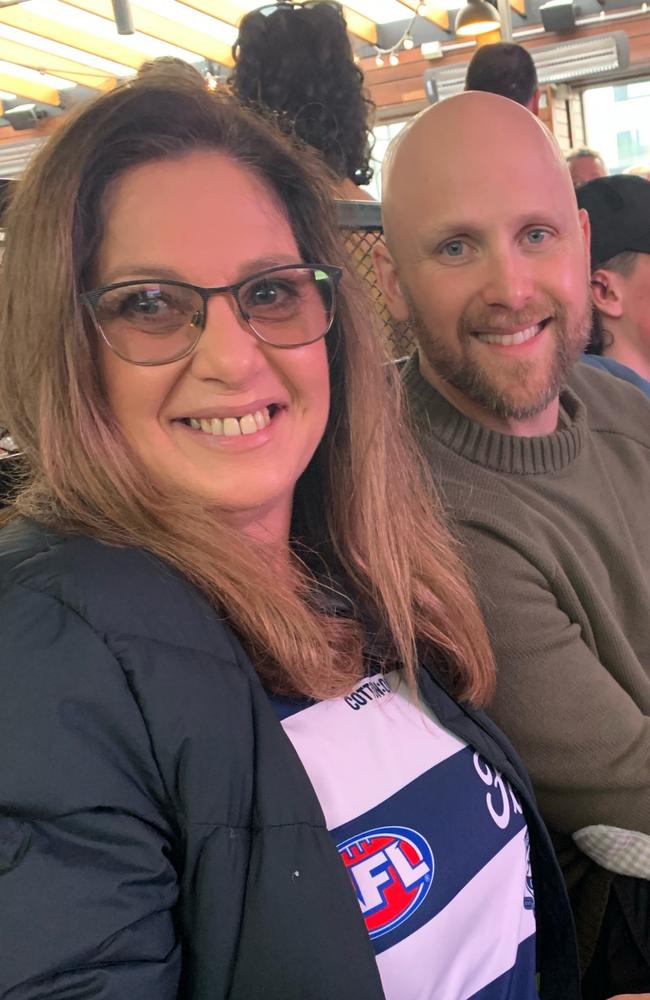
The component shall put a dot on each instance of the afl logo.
(391, 869)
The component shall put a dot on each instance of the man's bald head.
(475, 139)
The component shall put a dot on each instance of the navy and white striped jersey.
(433, 839)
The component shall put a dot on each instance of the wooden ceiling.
(52, 47)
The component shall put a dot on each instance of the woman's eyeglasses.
(152, 322)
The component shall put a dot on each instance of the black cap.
(619, 212)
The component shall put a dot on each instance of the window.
(617, 124)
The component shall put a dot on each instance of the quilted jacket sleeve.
(87, 886)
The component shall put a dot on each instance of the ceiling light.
(408, 42)
(378, 60)
(477, 17)
(393, 59)
(421, 10)
(122, 17)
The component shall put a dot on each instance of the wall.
(398, 91)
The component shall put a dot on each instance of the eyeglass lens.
(151, 322)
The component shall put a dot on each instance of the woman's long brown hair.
(362, 508)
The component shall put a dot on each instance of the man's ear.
(585, 229)
(389, 282)
(607, 292)
(534, 102)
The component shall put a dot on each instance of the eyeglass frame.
(90, 299)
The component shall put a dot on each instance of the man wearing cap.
(619, 212)
(544, 466)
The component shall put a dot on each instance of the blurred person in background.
(296, 61)
(619, 213)
(241, 664)
(506, 69)
(585, 165)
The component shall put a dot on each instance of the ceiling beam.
(360, 25)
(38, 92)
(440, 17)
(163, 28)
(83, 41)
(436, 15)
(228, 11)
(32, 57)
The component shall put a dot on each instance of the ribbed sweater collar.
(524, 456)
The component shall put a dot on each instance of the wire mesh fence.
(362, 227)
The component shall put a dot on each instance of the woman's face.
(205, 219)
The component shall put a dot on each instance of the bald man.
(545, 467)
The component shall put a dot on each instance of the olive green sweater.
(557, 532)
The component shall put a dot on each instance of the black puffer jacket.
(159, 837)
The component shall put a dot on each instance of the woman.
(217, 587)
(296, 61)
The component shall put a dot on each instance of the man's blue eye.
(536, 236)
(454, 248)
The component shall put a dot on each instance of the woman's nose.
(227, 350)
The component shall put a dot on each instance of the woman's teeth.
(233, 426)
(507, 340)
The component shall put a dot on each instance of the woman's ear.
(606, 288)
(389, 282)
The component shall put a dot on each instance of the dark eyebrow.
(136, 269)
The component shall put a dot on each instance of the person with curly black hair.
(296, 61)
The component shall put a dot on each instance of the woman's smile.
(251, 430)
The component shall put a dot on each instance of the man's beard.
(490, 390)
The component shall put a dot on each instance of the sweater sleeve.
(86, 882)
(624, 852)
(583, 739)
